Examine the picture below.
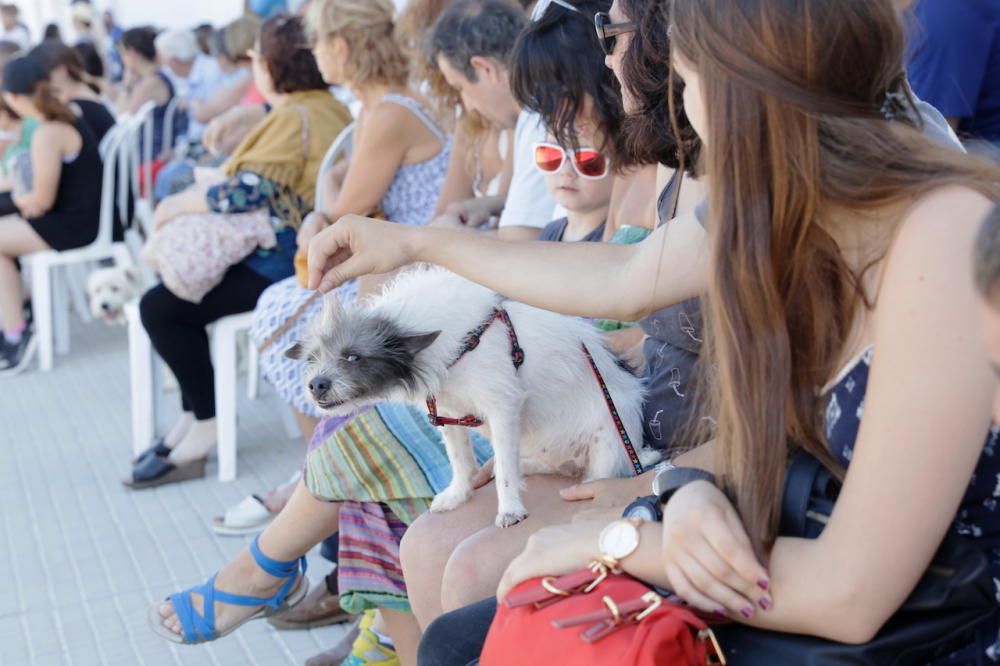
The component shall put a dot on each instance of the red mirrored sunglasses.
(587, 162)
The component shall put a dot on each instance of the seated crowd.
(777, 213)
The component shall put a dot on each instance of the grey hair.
(986, 256)
(469, 28)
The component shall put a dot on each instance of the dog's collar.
(470, 342)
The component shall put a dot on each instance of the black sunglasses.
(608, 31)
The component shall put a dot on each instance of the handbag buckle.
(654, 600)
(602, 572)
(709, 635)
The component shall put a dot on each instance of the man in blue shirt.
(954, 63)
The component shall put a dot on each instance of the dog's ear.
(294, 352)
(415, 344)
(333, 309)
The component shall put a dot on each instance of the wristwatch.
(670, 481)
(647, 508)
(619, 540)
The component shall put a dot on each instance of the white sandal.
(248, 517)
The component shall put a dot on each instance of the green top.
(23, 143)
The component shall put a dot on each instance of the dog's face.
(108, 290)
(356, 358)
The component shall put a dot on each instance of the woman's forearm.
(582, 279)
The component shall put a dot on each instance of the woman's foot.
(241, 577)
(180, 429)
(196, 444)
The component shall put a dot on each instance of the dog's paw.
(449, 499)
(511, 518)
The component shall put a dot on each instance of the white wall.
(130, 13)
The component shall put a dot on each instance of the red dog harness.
(472, 340)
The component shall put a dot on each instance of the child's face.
(575, 193)
(991, 334)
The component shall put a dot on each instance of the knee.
(468, 576)
(154, 308)
(417, 546)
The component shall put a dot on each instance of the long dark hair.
(797, 124)
(556, 63)
(649, 135)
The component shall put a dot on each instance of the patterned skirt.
(385, 464)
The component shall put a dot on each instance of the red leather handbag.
(596, 618)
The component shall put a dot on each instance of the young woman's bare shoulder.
(945, 211)
(55, 132)
(931, 251)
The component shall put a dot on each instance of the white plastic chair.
(50, 290)
(146, 378)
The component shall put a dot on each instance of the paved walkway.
(82, 557)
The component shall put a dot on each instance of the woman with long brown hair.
(836, 262)
(58, 204)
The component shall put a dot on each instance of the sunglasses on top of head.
(607, 32)
(587, 162)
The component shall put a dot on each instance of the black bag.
(951, 602)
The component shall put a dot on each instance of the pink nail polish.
(720, 612)
(747, 612)
(764, 603)
(763, 584)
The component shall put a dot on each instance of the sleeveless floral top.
(978, 515)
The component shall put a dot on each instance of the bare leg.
(431, 540)
(405, 633)
(473, 571)
(17, 239)
(307, 424)
(304, 522)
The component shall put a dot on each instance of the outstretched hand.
(355, 246)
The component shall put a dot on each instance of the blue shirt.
(954, 62)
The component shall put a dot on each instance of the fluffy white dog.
(518, 373)
(109, 289)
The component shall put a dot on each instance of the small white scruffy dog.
(549, 415)
(109, 289)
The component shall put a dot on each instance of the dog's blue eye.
(351, 358)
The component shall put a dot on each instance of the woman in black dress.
(70, 84)
(61, 209)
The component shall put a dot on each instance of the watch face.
(642, 510)
(619, 539)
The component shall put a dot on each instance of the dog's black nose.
(105, 306)
(319, 386)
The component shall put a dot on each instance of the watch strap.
(679, 477)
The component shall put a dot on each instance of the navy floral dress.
(978, 515)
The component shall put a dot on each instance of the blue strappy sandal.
(201, 628)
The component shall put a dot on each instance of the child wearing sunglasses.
(579, 181)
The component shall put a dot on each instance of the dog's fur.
(549, 416)
(109, 289)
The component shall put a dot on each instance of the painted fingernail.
(764, 603)
(720, 612)
(763, 584)
(747, 612)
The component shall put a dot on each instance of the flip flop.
(248, 517)
(159, 448)
(200, 628)
(159, 471)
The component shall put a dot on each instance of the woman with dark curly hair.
(274, 169)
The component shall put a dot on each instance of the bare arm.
(151, 88)
(222, 101)
(623, 282)
(916, 450)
